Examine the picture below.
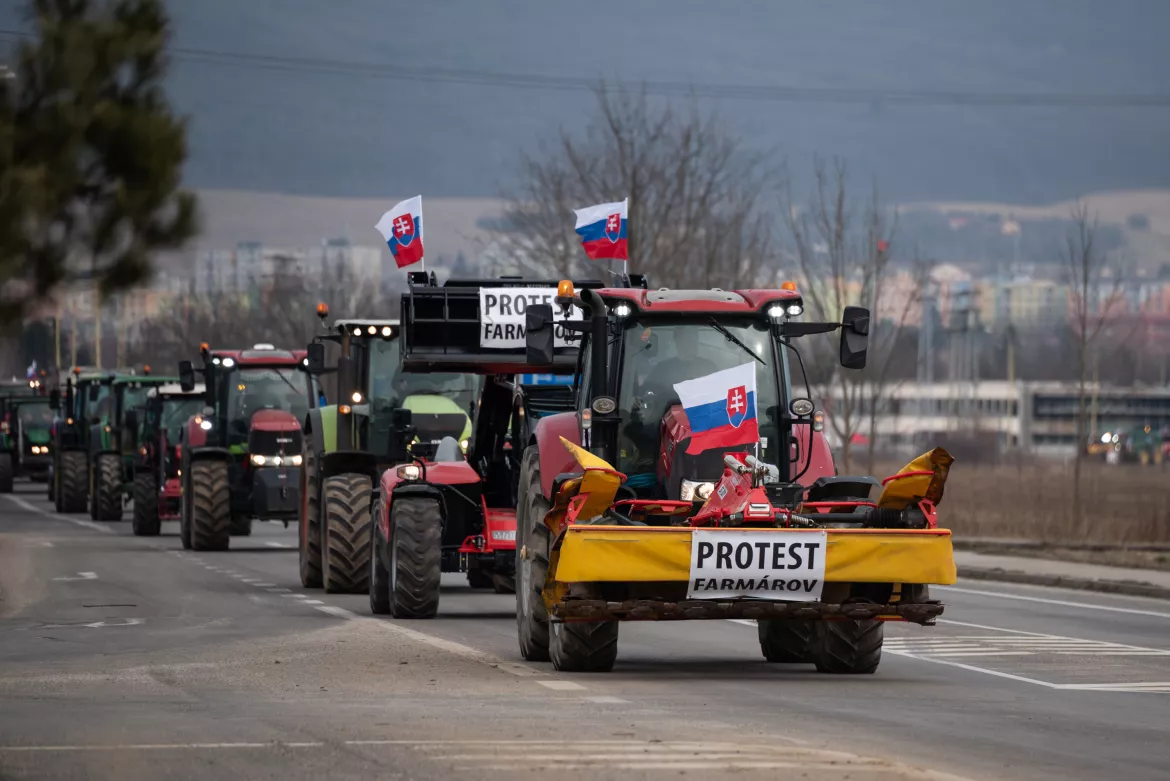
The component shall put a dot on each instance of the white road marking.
(46, 544)
(262, 585)
(339, 612)
(252, 581)
(1061, 602)
(95, 624)
(605, 699)
(101, 527)
(81, 576)
(293, 596)
(277, 545)
(314, 602)
(562, 686)
(992, 645)
(276, 590)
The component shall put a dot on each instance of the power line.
(760, 93)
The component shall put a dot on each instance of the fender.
(342, 462)
(821, 463)
(192, 454)
(314, 437)
(391, 486)
(554, 458)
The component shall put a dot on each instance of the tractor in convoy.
(157, 491)
(25, 422)
(241, 455)
(383, 416)
(693, 481)
(91, 456)
(448, 504)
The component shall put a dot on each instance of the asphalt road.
(128, 658)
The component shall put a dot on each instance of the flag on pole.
(602, 229)
(31, 371)
(402, 229)
(721, 408)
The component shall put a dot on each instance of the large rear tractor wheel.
(7, 472)
(788, 642)
(107, 489)
(145, 521)
(73, 495)
(210, 506)
(309, 524)
(583, 647)
(849, 647)
(345, 559)
(416, 557)
(532, 545)
(185, 513)
(52, 487)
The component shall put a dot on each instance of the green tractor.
(25, 422)
(383, 417)
(94, 462)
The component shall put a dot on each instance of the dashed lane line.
(562, 686)
(277, 545)
(101, 527)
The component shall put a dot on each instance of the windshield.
(176, 412)
(388, 384)
(133, 398)
(657, 355)
(35, 415)
(251, 390)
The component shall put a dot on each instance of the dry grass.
(1122, 504)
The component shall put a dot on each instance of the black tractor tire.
(73, 496)
(416, 557)
(503, 584)
(7, 473)
(477, 578)
(379, 576)
(210, 507)
(532, 541)
(240, 526)
(579, 647)
(345, 559)
(107, 488)
(849, 647)
(185, 513)
(145, 521)
(52, 487)
(309, 525)
(788, 642)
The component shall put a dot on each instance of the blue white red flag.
(602, 229)
(721, 408)
(31, 371)
(402, 228)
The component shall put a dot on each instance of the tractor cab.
(255, 400)
(25, 423)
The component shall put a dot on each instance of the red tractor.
(241, 456)
(446, 510)
(157, 477)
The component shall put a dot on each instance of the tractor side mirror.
(55, 399)
(92, 393)
(186, 376)
(854, 337)
(538, 334)
(401, 419)
(316, 358)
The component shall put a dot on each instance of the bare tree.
(842, 252)
(1094, 284)
(695, 196)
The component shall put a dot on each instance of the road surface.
(128, 658)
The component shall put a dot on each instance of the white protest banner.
(785, 566)
(501, 312)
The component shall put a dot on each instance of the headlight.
(357, 397)
(205, 424)
(463, 445)
(622, 311)
(776, 313)
(259, 460)
(296, 460)
(690, 490)
(795, 310)
(229, 362)
(409, 472)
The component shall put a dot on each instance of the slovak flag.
(602, 229)
(721, 408)
(402, 228)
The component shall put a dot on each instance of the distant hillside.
(313, 127)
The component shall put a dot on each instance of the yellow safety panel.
(622, 554)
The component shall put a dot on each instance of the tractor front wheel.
(7, 469)
(210, 506)
(145, 521)
(532, 544)
(379, 575)
(346, 534)
(72, 494)
(107, 493)
(309, 524)
(580, 647)
(416, 557)
(849, 647)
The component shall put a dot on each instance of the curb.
(1126, 587)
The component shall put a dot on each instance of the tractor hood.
(436, 417)
(274, 420)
